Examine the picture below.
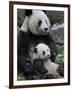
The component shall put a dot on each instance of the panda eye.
(43, 52)
(39, 22)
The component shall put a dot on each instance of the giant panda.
(35, 29)
(42, 53)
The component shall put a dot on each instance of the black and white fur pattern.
(34, 30)
(38, 23)
(42, 52)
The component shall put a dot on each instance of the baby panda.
(35, 29)
(42, 53)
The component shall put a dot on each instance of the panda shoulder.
(23, 35)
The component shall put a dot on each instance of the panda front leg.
(26, 67)
(39, 66)
(49, 76)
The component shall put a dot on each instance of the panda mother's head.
(36, 21)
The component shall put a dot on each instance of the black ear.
(44, 11)
(35, 50)
(28, 12)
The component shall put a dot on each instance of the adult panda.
(35, 29)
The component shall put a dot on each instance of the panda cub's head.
(41, 51)
(36, 21)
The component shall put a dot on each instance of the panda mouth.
(44, 32)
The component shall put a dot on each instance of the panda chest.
(39, 39)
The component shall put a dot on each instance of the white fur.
(51, 67)
(31, 23)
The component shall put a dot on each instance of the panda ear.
(44, 11)
(24, 26)
(28, 12)
(35, 50)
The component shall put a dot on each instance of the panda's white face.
(41, 51)
(38, 23)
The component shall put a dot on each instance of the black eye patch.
(39, 23)
(46, 22)
(43, 52)
(35, 50)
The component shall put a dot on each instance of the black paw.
(50, 76)
(39, 66)
(61, 70)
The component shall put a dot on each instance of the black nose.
(48, 55)
(46, 29)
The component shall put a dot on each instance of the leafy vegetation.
(57, 20)
(20, 76)
(60, 56)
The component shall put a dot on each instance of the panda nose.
(46, 29)
(48, 55)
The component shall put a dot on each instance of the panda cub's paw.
(49, 76)
(39, 66)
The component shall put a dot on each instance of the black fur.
(25, 40)
(49, 76)
(35, 50)
(43, 52)
(44, 11)
(39, 66)
(61, 70)
(28, 12)
(39, 23)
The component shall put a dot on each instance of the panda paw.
(61, 70)
(49, 76)
(39, 66)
